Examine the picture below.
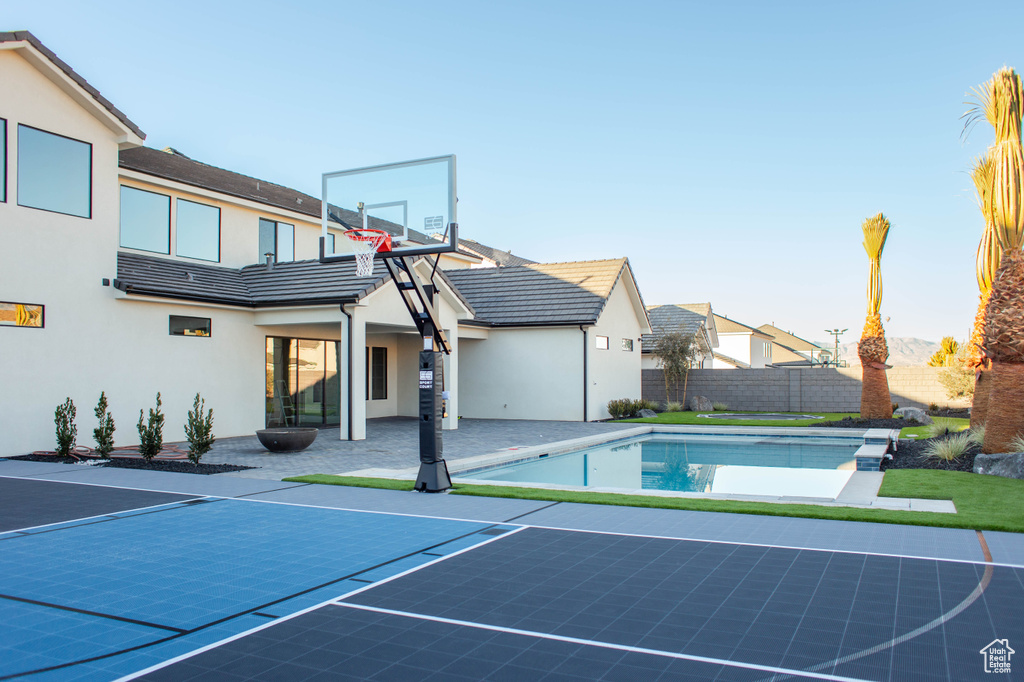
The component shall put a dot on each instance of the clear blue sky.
(730, 150)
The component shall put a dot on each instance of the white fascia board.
(184, 188)
(268, 317)
(126, 137)
(141, 298)
(467, 331)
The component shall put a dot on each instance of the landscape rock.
(915, 413)
(699, 403)
(1007, 465)
(648, 414)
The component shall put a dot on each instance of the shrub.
(67, 432)
(934, 407)
(977, 435)
(948, 449)
(199, 430)
(617, 408)
(895, 406)
(104, 435)
(957, 377)
(720, 407)
(941, 426)
(643, 404)
(151, 435)
(1017, 444)
(673, 406)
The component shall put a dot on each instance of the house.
(741, 346)
(685, 318)
(789, 350)
(132, 270)
(490, 257)
(552, 339)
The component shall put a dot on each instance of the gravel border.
(178, 467)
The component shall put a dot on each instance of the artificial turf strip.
(922, 431)
(694, 418)
(982, 502)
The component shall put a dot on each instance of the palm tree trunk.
(875, 400)
(1004, 343)
(982, 393)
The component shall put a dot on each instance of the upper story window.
(145, 220)
(3, 160)
(627, 344)
(197, 230)
(277, 239)
(601, 342)
(54, 172)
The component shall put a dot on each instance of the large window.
(54, 172)
(277, 239)
(303, 384)
(376, 373)
(197, 230)
(145, 220)
(3, 160)
(21, 315)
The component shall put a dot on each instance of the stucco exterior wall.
(804, 389)
(613, 373)
(523, 373)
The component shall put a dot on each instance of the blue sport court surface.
(160, 586)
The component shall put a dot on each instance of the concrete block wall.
(801, 389)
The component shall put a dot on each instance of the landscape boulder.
(1007, 465)
(699, 403)
(915, 413)
(648, 414)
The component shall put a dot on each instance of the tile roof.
(298, 283)
(539, 293)
(682, 318)
(496, 255)
(727, 326)
(18, 36)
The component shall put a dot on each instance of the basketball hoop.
(366, 243)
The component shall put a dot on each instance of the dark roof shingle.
(684, 319)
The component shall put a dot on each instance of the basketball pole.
(433, 474)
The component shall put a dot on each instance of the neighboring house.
(135, 270)
(741, 346)
(550, 340)
(684, 318)
(789, 350)
(489, 257)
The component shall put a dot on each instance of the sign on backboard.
(413, 201)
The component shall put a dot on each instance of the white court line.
(328, 602)
(607, 645)
(110, 515)
(565, 528)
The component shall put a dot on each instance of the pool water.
(803, 466)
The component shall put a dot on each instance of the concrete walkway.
(393, 443)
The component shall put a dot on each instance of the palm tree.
(987, 263)
(1004, 313)
(875, 401)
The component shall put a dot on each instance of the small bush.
(643, 404)
(1017, 444)
(934, 407)
(941, 426)
(67, 432)
(977, 435)
(104, 435)
(720, 407)
(895, 406)
(199, 430)
(673, 406)
(617, 408)
(151, 435)
(627, 407)
(948, 449)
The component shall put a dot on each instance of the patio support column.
(451, 375)
(357, 378)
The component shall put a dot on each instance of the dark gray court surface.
(568, 605)
(28, 503)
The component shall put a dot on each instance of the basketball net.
(365, 249)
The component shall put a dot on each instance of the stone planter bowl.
(289, 439)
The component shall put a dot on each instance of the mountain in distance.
(903, 351)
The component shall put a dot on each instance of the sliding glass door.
(303, 386)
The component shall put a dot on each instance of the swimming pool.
(802, 466)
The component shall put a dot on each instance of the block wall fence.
(802, 389)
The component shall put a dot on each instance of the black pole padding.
(433, 475)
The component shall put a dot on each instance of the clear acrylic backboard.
(413, 201)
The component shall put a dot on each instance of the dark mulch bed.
(851, 423)
(959, 412)
(910, 455)
(177, 467)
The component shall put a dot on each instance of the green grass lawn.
(694, 418)
(982, 502)
(922, 431)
